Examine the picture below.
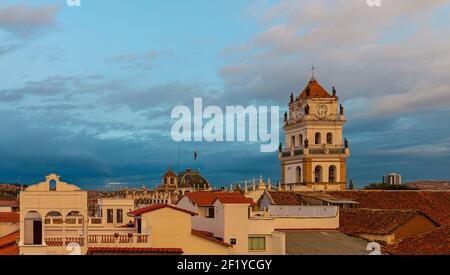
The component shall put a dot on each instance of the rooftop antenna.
(312, 71)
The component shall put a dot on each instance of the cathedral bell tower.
(316, 154)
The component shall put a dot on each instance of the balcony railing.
(63, 241)
(313, 151)
(118, 239)
(72, 221)
(99, 239)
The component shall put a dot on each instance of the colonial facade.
(316, 154)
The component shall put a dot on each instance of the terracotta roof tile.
(169, 173)
(374, 221)
(8, 244)
(11, 217)
(207, 198)
(124, 250)
(10, 250)
(155, 207)
(209, 236)
(434, 204)
(286, 198)
(434, 242)
(315, 90)
(11, 203)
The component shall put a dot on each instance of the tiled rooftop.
(209, 236)
(133, 250)
(8, 244)
(435, 204)
(10, 203)
(435, 242)
(155, 207)
(286, 198)
(374, 221)
(10, 217)
(206, 198)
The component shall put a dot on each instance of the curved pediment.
(53, 183)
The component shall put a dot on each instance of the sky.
(87, 91)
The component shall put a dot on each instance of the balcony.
(313, 150)
(72, 221)
(99, 240)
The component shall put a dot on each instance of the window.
(298, 174)
(52, 185)
(139, 226)
(317, 138)
(210, 212)
(329, 138)
(332, 173)
(256, 243)
(172, 181)
(318, 173)
(233, 241)
(119, 215)
(109, 216)
(292, 141)
(300, 139)
(165, 180)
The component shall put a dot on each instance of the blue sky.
(87, 92)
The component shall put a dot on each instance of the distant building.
(392, 179)
(172, 188)
(9, 206)
(54, 215)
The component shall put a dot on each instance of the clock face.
(299, 114)
(321, 111)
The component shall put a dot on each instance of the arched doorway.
(33, 228)
(318, 174)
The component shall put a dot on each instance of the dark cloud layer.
(98, 131)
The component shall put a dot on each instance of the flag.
(195, 155)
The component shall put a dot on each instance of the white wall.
(303, 211)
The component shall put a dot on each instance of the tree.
(383, 186)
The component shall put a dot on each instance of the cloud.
(145, 61)
(20, 24)
(23, 20)
(353, 47)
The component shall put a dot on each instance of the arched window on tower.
(332, 174)
(318, 174)
(317, 138)
(298, 174)
(293, 141)
(329, 138)
(52, 184)
(300, 139)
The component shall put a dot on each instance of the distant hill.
(430, 185)
(10, 191)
